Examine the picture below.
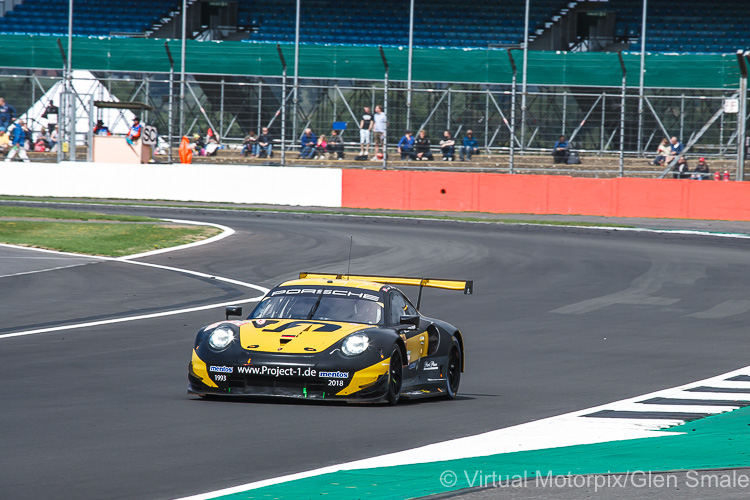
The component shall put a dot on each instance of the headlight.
(355, 344)
(220, 338)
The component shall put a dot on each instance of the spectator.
(7, 114)
(212, 144)
(4, 140)
(336, 145)
(19, 142)
(379, 126)
(406, 146)
(308, 141)
(265, 143)
(447, 146)
(661, 152)
(135, 131)
(422, 147)
(54, 137)
(561, 151)
(365, 131)
(320, 147)
(200, 145)
(44, 137)
(674, 150)
(100, 128)
(701, 171)
(681, 169)
(470, 147)
(250, 145)
(29, 141)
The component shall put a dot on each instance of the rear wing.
(466, 286)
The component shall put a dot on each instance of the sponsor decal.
(413, 365)
(430, 365)
(277, 371)
(289, 371)
(336, 374)
(321, 291)
(260, 322)
(221, 369)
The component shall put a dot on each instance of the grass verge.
(375, 213)
(93, 233)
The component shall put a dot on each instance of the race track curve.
(561, 319)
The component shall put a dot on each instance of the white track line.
(226, 231)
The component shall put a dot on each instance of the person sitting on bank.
(447, 146)
(336, 145)
(701, 171)
(422, 147)
(561, 150)
(662, 152)
(406, 146)
(250, 145)
(674, 150)
(470, 147)
(320, 147)
(265, 143)
(307, 143)
(681, 169)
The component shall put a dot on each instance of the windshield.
(321, 306)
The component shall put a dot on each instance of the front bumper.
(284, 376)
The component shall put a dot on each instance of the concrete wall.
(218, 183)
(403, 190)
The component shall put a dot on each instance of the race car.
(332, 337)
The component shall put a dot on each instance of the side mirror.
(412, 319)
(233, 311)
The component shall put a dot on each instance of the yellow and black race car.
(328, 336)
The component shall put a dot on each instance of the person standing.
(365, 129)
(378, 130)
(7, 114)
(19, 142)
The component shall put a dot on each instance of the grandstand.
(687, 27)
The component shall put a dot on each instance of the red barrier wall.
(539, 194)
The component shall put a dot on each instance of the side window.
(400, 307)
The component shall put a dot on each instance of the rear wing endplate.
(466, 286)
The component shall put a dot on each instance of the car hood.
(294, 336)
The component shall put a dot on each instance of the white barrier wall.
(201, 182)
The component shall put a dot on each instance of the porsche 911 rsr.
(327, 336)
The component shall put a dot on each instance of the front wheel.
(395, 377)
(454, 373)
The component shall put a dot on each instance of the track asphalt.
(554, 326)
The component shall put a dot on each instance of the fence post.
(513, 111)
(742, 117)
(170, 116)
(385, 107)
(622, 114)
(283, 105)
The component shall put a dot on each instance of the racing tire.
(453, 375)
(395, 377)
